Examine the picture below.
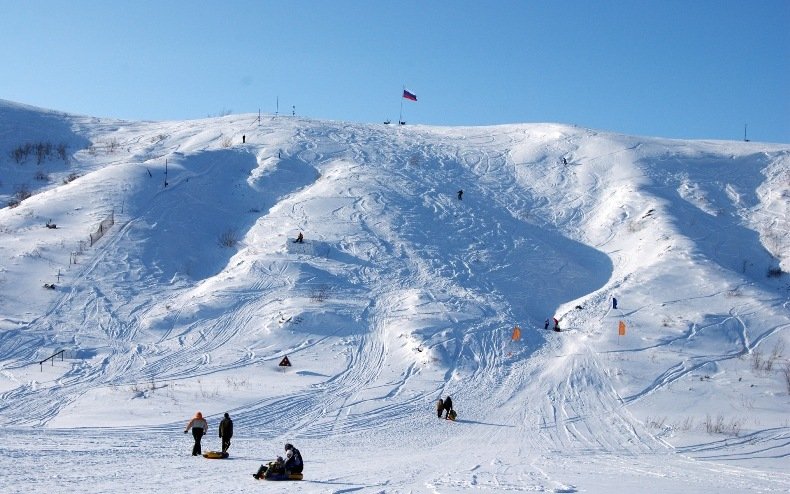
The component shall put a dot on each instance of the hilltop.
(194, 291)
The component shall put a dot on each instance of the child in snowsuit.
(199, 427)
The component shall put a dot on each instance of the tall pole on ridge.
(400, 117)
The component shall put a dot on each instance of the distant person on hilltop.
(461, 194)
(614, 303)
(199, 428)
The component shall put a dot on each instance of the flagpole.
(400, 117)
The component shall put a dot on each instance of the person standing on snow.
(439, 407)
(226, 432)
(448, 406)
(461, 195)
(199, 428)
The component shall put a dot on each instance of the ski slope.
(400, 294)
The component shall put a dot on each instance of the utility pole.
(744, 132)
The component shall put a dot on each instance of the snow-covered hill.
(401, 293)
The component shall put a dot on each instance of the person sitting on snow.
(271, 468)
(292, 464)
(293, 460)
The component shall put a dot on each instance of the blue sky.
(685, 69)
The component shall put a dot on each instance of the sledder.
(288, 469)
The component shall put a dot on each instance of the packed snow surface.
(154, 262)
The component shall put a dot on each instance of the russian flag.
(409, 95)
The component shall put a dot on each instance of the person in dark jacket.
(461, 195)
(439, 407)
(293, 460)
(448, 405)
(199, 427)
(226, 432)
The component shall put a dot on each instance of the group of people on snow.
(199, 427)
(291, 464)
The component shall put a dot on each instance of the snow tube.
(283, 476)
(215, 455)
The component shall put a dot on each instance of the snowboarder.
(448, 406)
(556, 325)
(461, 195)
(439, 407)
(199, 427)
(546, 324)
(226, 432)
(243, 139)
(614, 303)
(299, 238)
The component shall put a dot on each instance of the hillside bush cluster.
(41, 150)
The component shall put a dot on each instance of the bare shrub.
(655, 422)
(41, 176)
(719, 426)
(70, 178)
(757, 359)
(112, 145)
(22, 192)
(62, 151)
(320, 293)
(774, 272)
(20, 153)
(228, 238)
(43, 151)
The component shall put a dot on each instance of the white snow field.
(400, 294)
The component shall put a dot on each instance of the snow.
(401, 294)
